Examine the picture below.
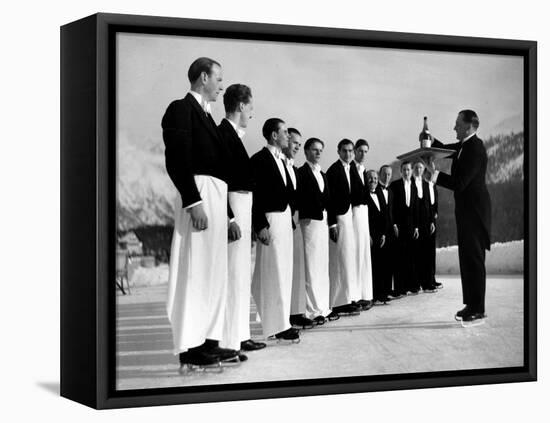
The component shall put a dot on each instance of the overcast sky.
(328, 92)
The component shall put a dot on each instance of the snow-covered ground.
(503, 259)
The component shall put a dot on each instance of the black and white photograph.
(300, 211)
(243, 211)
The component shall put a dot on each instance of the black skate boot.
(301, 321)
(287, 336)
(196, 360)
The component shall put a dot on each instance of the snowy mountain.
(145, 193)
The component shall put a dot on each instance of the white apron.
(237, 312)
(298, 301)
(363, 257)
(342, 263)
(272, 281)
(316, 258)
(197, 281)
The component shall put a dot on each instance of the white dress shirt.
(418, 183)
(240, 132)
(346, 169)
(432, 193)
(204, 104)
(278, 156)
(289, 163)
(407, 185)
(375, 199)
(316, 169)
(360, 170)
(384, 189)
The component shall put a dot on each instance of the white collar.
(468, 137)
(315, 167)
(240, 132)
(360, 165)
(289, 161)
(406, 182)
(346, 165)
(275, 151)
(204, 104)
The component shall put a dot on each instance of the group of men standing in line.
(327, 244)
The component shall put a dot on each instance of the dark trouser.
(406, 278)
(422, 260)
(471, 256)
(381, 277)
(431, 253)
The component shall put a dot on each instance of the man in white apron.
(313, 200)
(238, 105)
(298, 297)
(342, 248)
(360, 210)
(197, 280)
(272, 221)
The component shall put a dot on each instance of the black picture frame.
(88, 210)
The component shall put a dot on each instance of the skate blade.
(458, 318)
(277, 341)
(231, 362)
(195, 368)
(478, 322)
(332, 319)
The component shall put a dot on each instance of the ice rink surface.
(412, 334)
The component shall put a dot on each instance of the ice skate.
(250, 345)
(459, 314)
(301, 321)
(196, 361)
(289, 336)
(348, 310)
(226, 356)
(364, 304)
(320, 320)
(333, 316)
(471, 320)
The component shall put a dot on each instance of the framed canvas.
(119, 73)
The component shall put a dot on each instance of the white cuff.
(192, 205)
(333, 226)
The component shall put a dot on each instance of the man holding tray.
(472, 212)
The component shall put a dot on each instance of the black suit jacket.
(379, 223)
(192, 147)
(388, 204)
(339, 189)
(467, 180)
(239, 167)
(406, 218)
(358, 188)
(270, 194)
(425, 216)
(310, 200)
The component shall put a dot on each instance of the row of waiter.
(325, 244)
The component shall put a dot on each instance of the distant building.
(132, 242)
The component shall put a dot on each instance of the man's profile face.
(281, 137)
(346, 153)
(313, 153)
(246, 113)
(213, 85)
(462, 128)
(406, 171)
(372, 180)
(294, 144)
(418, 169)
(385, 175)
(361, 153)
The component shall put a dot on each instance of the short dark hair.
(344, 142)
(360, 143)
(270, 126)
(200, 65)
(312, 141)
(234, 95)
(383, 167)
(294, 131)
(469, 116)
(404, 163)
